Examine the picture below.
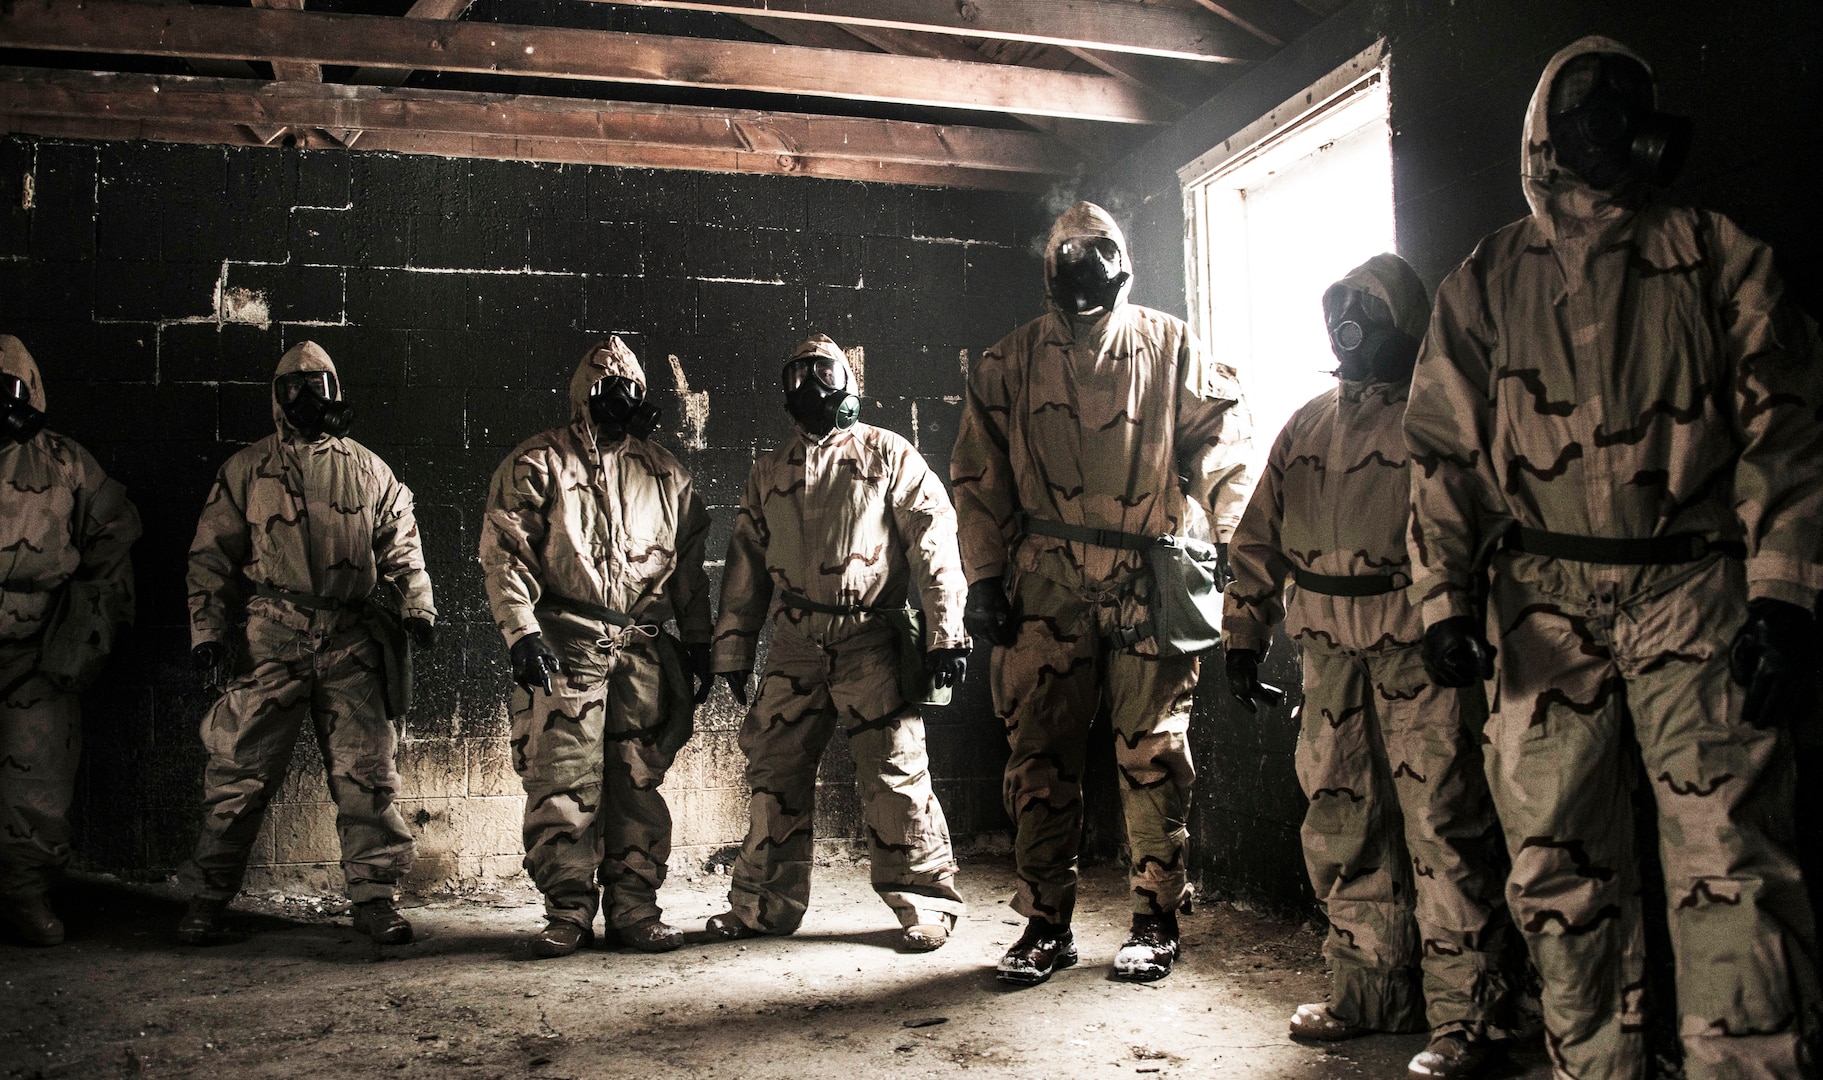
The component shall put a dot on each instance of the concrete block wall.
(157, 285)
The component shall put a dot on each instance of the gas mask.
(819, 394)
(1369, 346)
(618, 407)
(1604, 128)
(312, 401)
(18, 420)
(1088, 275)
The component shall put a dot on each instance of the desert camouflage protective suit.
(1613, 366)
(1092, 423)
(573, 521)
(313, 526)
(854, 517)
(65, 533)
(1400, 836)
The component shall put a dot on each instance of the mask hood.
(1085, 219)
(1554, 193)
(605, 360)
(823, 407)
(304, 356)
(18, 363)
(1393, 280)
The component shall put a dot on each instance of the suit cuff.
(1789, 591)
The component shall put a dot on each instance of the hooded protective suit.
(1615, 367)
(1391, 763)
(1092, 422)
(313, 526)
(852, 518)
(64, 575)
(577, 529)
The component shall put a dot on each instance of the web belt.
(1621, 551)
(1344, 584)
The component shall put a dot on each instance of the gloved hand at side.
(1456, 652)
(1773, 657)
(534, 663)
(988, 614)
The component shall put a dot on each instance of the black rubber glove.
(946, 667)
(1773, 658)
(534, 663)
(696, 658)
(1456, 651)
(210, 658)
(1221, 565)
(423, 632)
(987, 614)
(737, 683)
(1244, 680)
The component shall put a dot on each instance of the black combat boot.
(31, 919)
(561, 937)
(1149, 950)
(381, 922)
(202, 921)
(1045, 947)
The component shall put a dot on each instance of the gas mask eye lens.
(828, 373)
(1348, 335)
(12, 388)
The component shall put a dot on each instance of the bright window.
(1276, 214)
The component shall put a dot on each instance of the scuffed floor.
(298, 994)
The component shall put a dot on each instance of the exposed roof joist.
(269, 106)
(212, 32)
(1113, 25)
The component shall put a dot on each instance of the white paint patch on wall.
(695, 406)
(236, 305)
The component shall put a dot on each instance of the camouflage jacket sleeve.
(1255, 600)
(399, 551)
(746, 584)
(981, 471)
(689, 584)
(512, 541)
(221, 548)
(1778, 391)
(1457, 509)
(1213, 436)
(926, 523)
(106, 526)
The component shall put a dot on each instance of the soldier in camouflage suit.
(843, 517)
(1616, 407)
(1089, 417)
(66, 592)
(303, 526)
(593, 540)
(1400, 837)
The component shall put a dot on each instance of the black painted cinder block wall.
(1461, 73)
(157, 286)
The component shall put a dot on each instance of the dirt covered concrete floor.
(296, 993)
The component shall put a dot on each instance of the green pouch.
(77, 636)
(1186, 601)
(388, 632)
(676, 690)
(907, 625)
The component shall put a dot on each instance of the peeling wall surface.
(157, 286)
(1461, 72)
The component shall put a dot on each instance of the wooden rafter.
(646, 156)
(291, 70)
(265, 107)
(1114, 25)
(433, 10)
(1272, 21)
(364, 40)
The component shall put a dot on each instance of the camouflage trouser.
(806, 692)
(1577, 661)
(325, 668)
(1047, 687)
(589, 757)
(1402, 845)
(40, 742)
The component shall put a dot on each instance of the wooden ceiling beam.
(641, 156)
(291, 70)
(272, 108)
(108, 26)
(1114, 25)
(433, 10)
(1272, 21)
